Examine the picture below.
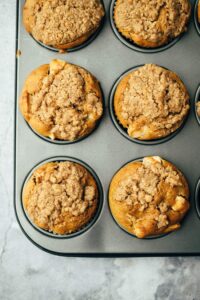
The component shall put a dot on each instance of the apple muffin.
(61, 101)
(62, 24)
(60, 197)
(152, 23)
(149, 197)
(151, 102)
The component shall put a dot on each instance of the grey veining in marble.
(27, 273)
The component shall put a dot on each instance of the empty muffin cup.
(117, 114)
(62, 197)
(149, 47)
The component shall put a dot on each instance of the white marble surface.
(27, 273)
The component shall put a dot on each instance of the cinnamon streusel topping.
(151, 102)
(151, 23)
(61, 101)
(60, 23)
(60, 197)
(149, 197)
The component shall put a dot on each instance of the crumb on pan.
(19, 53)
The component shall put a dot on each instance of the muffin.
(149, 197)
(152, 23)
(62, 24)
(60, 197)
(151, 102)
(61, 101)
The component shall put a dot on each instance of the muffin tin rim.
(151, 237)
(81, 46)
(122, 130)
(94, 219)
(132, 45)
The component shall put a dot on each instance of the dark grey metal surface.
(106, 150)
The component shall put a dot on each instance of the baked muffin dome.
(61, 101)
(151, 23)
(149, 197)
(151, 102)
(62, 24)
(60, 197)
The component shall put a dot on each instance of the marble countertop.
(28, 273)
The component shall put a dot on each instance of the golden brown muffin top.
(61, 100)
(151, 23)
(60, 197)
(149, 197)
(151, 102)
(59, 22)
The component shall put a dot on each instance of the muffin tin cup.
(196, 22)
(63, 142)
(156, 236)
(133, 45)
(79, 47)
(94, 219)
(197, 98)
(122, 130)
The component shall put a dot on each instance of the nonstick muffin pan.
(106, 150)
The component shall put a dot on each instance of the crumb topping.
(153, 101)
(58, 22)
(151, 193)
(61, 190)
(65, 103)
(155, 21)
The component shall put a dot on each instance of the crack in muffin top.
(151, 102)
(60, 197)
(59, 22)
(154, 194)
(62, 101)
(151, 23)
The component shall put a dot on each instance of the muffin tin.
(106, 150)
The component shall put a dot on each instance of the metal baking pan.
(106, 149)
